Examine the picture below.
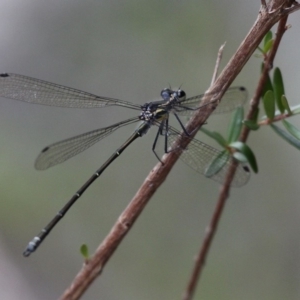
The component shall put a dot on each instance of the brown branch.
(263, 4)
(94, 267)
(224, 193)
(209, 234)
(275, 119)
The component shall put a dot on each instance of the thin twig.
(263, 3)
(275, 119)
(224, 193)
(90, 271)
(216, 70)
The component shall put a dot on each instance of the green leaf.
(295, 110)
(208, 132)
(247, 152)
(84, 251)
(286, 136)
(236, 124)
(268, 46)
(240, 157)
(216, 136)
(268, 85)
(269, 104)
(220, 139)
(285, 104)
(217, 164)
(278, 88)
(251, 124)
(268, 37)
(295, 132)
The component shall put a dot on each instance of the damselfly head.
(166, 94)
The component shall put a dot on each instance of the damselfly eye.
(181, 95)
(166, 94)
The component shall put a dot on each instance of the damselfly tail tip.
(31, 247)
(26, 253)
(3, 75)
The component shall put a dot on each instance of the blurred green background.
(131, 50)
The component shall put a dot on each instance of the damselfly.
(198, 155)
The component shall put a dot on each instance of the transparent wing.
(199, 157)
(24, 88)
(233, 98)
(61, 151)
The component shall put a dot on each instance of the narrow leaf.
(268, 37)
(269, 104)
(84, 251)
(208, 132)
(295, 110)
(268, 85)
(236, 124)
(247, 152)
(251, 124)
(286, 136)
(295, 132)
(268, 46)
(217, 164)
(240, 157)
(278, 88)
(285, 104)
(216, 136)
